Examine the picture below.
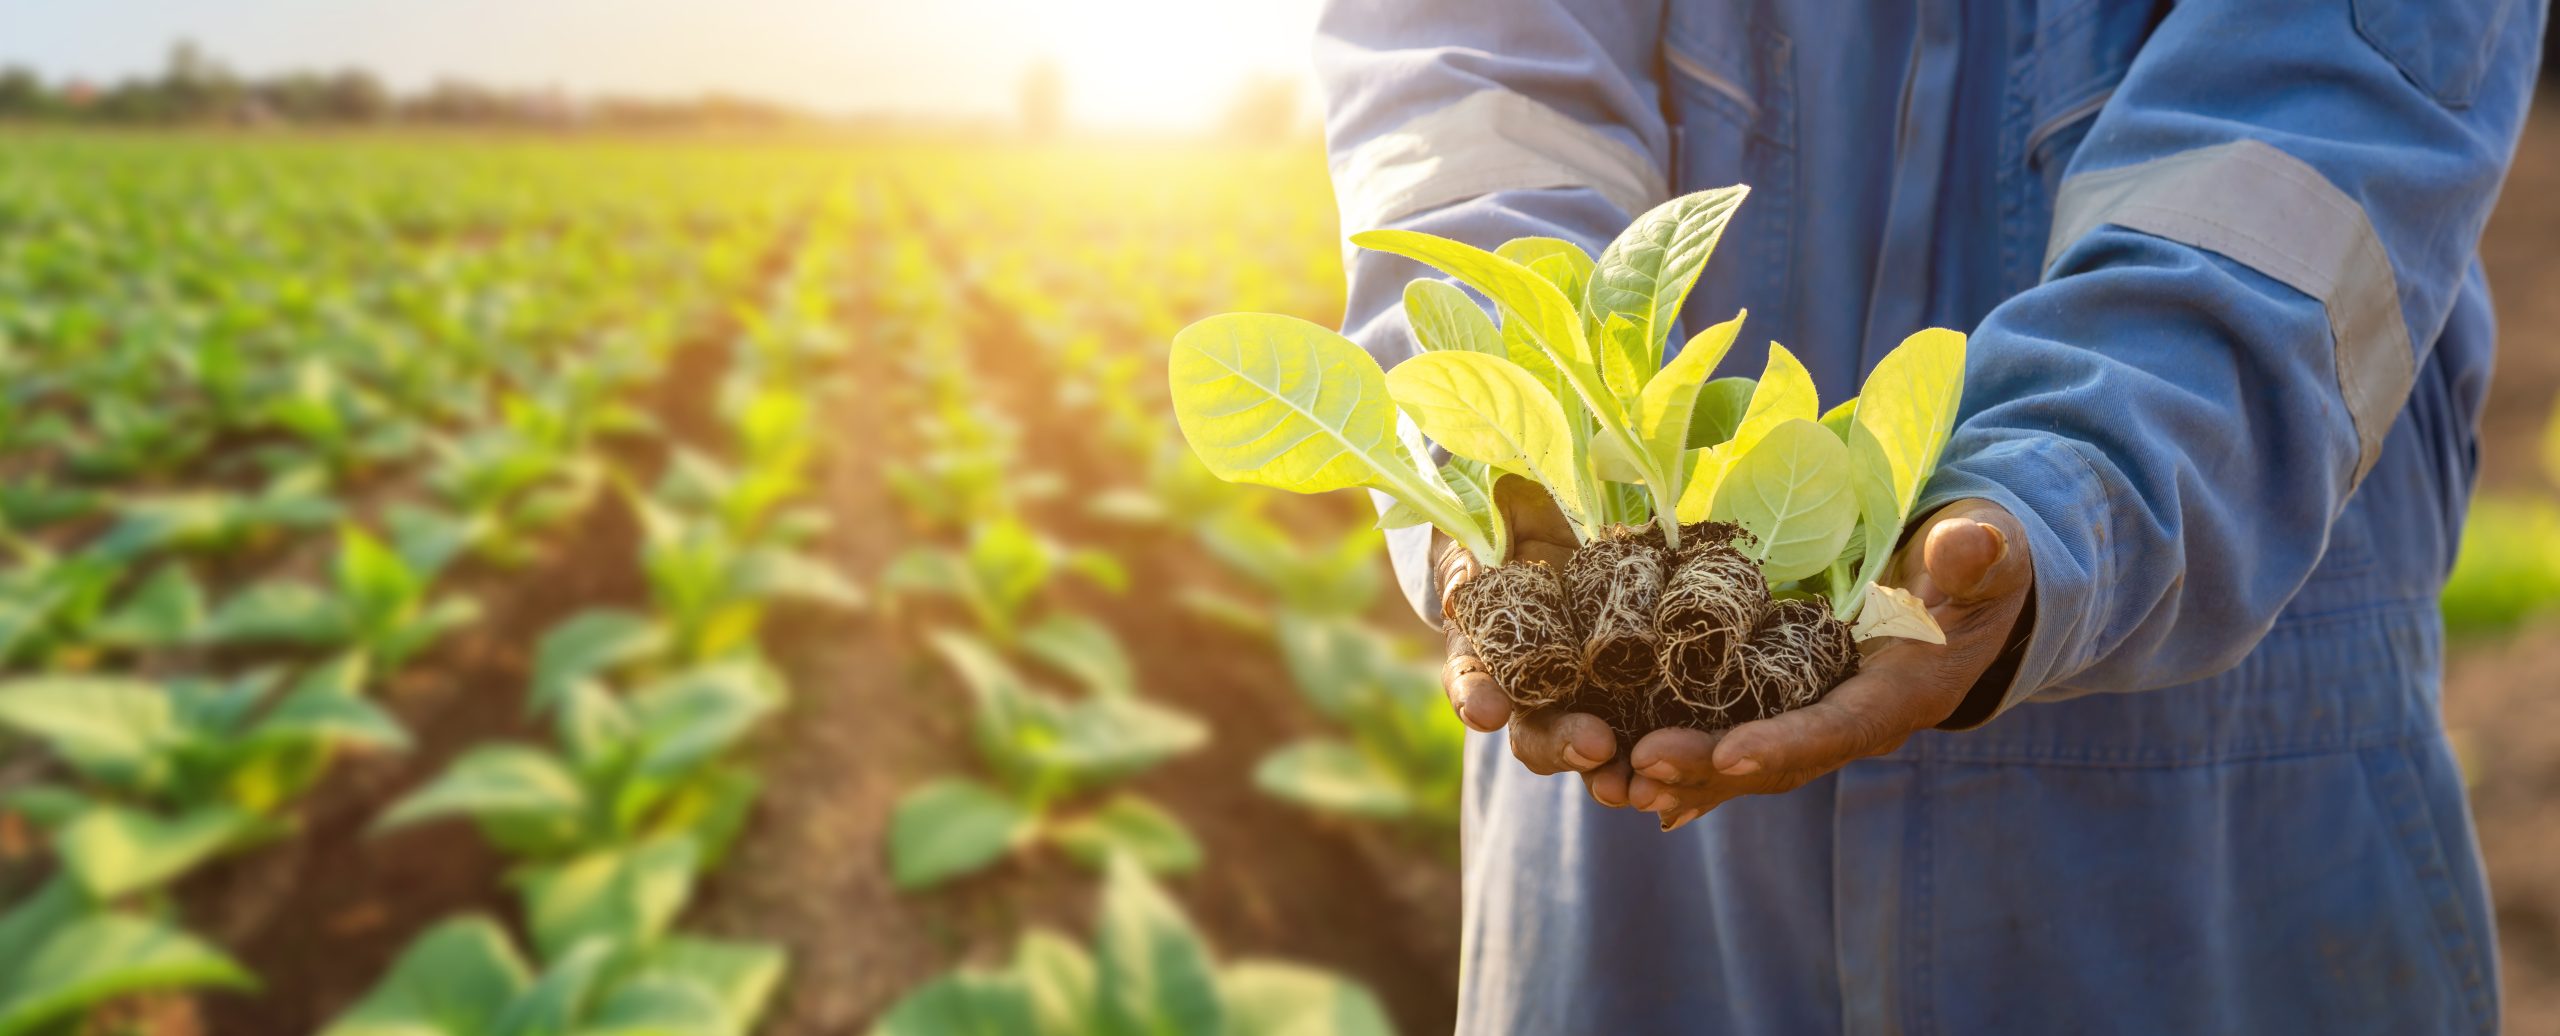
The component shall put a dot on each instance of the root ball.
(1516, 617)
(1710, 605)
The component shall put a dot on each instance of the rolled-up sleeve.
(2256, 245)
(1483, 121)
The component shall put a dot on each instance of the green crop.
(1569, 391)
(1041, 750)
(1149, 972)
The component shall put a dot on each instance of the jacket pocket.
(1730, 91)
(2077, 53)
(2440, 45)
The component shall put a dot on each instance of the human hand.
(1969, 564)
(1548, 740)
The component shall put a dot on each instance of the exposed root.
(1798, 653)
(1710, 605)
(1614, 585)
(1517, 619)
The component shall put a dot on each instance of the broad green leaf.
(102, 956)
(684, 719)
(1155, 975)
(326, 706)
(1880, 514)
(591, 642)
(495, 783)
(167, 609)
(1892, 611)
(1539, 310)
(560, 994)
(1530, 251)
(1134, 826)
(1792, 494)
(1443, 318)
(1784, 393)
(288, 612)
(1277, 401)
(659, 1004)
(1103, 739)
(1719, 413)
(1333, 777)
(1486, 409)
(743, 975)
(772, 573)
(373, 574)
(1275, 998)
(627, 893)
(1644, 277)
(113, 851)
(1083, 647)
(949, 828)
(1669, 402)
(1910, 405)
(112, 730)
(964, 1003)
(1281, 402)
(1059, 976)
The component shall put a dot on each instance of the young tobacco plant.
(1002, 579)
(1400, 759)
(1149, 972)
(1042, 750)
(1569, 391)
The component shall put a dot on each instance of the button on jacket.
(2230, 340)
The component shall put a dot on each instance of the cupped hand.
(1969, 565)
(1547, 741)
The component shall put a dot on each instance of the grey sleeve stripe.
(2268, 210)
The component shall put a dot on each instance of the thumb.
(1974, 553)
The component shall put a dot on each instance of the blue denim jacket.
(2230, 340)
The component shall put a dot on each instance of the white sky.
(1128, 63)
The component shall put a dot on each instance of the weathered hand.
(1969, 564)
(1549, 740)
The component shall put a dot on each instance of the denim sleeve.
(2174, 426)
(1387, 67)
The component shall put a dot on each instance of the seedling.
(1706, 554)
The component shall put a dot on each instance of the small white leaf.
(1891, 611)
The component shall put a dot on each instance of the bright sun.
(1163, 63)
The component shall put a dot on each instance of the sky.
(1158, 64)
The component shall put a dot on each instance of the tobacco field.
(488, 585)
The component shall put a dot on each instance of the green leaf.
(1909, 404)
(1542, 313)
(951, 827)
(1155, 975)
(1486, 409)
(741, 975)
(102, 956)
(659, 1004)
(452, 981)
(1333, 777)
(963, 1003)
(1645, 275)
(282, 612)
(594, 641)
(1084, 648)
(1879, 513)
(1840, 417)
(1274, 998)
(1532, 250)
(1719, 413)
(1104, 739)
(1784, 393)
(772, 573)
(1132, 825)
(1277, 401)
(113, 851)
(682, 720)
(1792, 494)
(167, 609)
(1059, 977)
(623, 893)
(326, 706)
(111, 730)
(1669, 402)
(560, 995)
(373, 575)
(515, 784)
(1445, 319)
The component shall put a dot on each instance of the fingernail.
(1669, 826)
(1661, 770)
(1661, 802)
(1573, 757)
(1743, 767)
(1999, 541)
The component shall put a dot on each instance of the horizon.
(1127, 65)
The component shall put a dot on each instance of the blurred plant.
(1005, 570)
(1150, 972)
(378, 601)
(1041, 750)
(1401, 758)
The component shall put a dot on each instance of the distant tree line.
(195, 89)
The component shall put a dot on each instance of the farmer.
(2179, 767)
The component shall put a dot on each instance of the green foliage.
(1149, 972)
(465, 977)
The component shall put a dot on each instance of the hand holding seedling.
(1969, 564)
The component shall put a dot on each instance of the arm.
(1482, 121)
(2262, 233)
